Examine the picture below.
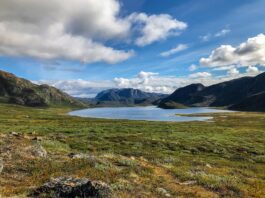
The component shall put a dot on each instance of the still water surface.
(150, 113)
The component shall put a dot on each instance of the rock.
(15, 133)
(81, 156)
(38, 151)
(132, 158)
(163, 192)
(38, 138)
(72, 188)
(1, 165)
(208, 165)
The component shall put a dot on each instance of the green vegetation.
(172, 105)
(221, 158)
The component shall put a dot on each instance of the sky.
(85, 46)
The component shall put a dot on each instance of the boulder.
(73, 187)
(38, 151)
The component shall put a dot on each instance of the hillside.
(255, 102)
(234, 94)
(23, 92)
(181, 96)
(127, 97)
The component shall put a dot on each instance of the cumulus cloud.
(79, 87)
(247, 53)
(200, 75)
(233, 72)
(146, 81)
(56, 44)
(252, 70)
(155, 27)
(175, 50)
(224, 68)
(58, 30)
(153, 82)
(76, 30)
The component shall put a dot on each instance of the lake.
(150, 113)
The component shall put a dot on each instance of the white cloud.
(146, 81)
(247, 53)
(76, 30)
(210, 36)
(206, 37)
(56, 44)
(233, 72)
(79, 87)
(224, 68)
(252, 70)
(175, 50)
(223, 32)
(58, 30)
(200, 75)
(155, 27)
(193, 67)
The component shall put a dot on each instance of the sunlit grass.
(221, 158)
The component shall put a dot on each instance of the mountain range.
(243, 94)
(125, 97)
(246, 93)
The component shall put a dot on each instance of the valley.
(222, 158)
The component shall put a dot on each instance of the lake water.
(150, 113)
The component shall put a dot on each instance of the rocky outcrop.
(73, 187)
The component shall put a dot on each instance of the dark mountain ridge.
(229, 94)
(23, 92)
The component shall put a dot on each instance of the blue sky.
(209, 24)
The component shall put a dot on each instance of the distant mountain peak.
(127, 97)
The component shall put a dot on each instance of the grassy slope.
(225, 157)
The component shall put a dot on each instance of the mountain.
(181, 96)
(234, 94)
(255, 102)
(23, 92)
(127, 97)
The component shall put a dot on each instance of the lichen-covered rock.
(38, 151)
(72, 188)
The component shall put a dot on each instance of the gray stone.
(38, 151)
(72, 188)
(163, 192)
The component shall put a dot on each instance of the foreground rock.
(37, 151)
(73, 187)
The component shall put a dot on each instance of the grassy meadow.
(224, 157)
